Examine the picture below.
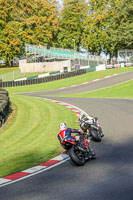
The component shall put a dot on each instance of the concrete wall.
(57, 65)
(43, 66)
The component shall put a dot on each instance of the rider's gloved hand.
(81, 131)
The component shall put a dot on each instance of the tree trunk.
(9, 62)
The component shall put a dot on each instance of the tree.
(27, 21)
(119, 30)
(9, 43)
(109, 26)
(71, 23)
(40, 23)
(122, 24)
(96, 24)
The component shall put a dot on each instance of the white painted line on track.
(44, 166)
(55, 161)
(2, 180)
(84, 83)
(107, 76)
(34, 169)
(62, 88)
(106, 87)
(60, 157)
(73, 85)
(38, 172)
(96, 80)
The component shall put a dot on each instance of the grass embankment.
(68, 81)
(123, 90)
(30, 135)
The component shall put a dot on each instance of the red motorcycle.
(79, 151)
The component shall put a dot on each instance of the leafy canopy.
(109, 26)
(71, 23)
(27, 21)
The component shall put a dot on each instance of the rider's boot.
(92, 154)
(87, 157)
(102, 134)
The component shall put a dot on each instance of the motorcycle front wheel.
(76, 156)
(95, 135)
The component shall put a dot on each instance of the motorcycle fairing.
(69, 139)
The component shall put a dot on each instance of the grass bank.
(123, 90)
(68, 81)
(30, 135)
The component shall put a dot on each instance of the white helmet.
(63, 126)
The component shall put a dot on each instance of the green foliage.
(40, 23)
(27, 21)
(71, 23)
(122, 24)
(98, 25)
(109, 26)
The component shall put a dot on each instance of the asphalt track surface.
(109, 177)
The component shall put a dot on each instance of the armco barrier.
(128, 64)
(117, 65)
(44, 79)
(4, 105)
(109, 66)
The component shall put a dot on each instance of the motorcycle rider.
(66, 132)
(85, 119)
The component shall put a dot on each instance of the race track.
(110, 176)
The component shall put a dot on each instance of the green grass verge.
(123, 90)
(68, 81)
(30, 136)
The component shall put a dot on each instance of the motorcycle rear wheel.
(75, 158)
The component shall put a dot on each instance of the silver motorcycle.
(91, 126)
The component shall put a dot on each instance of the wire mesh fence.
(16, 74)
